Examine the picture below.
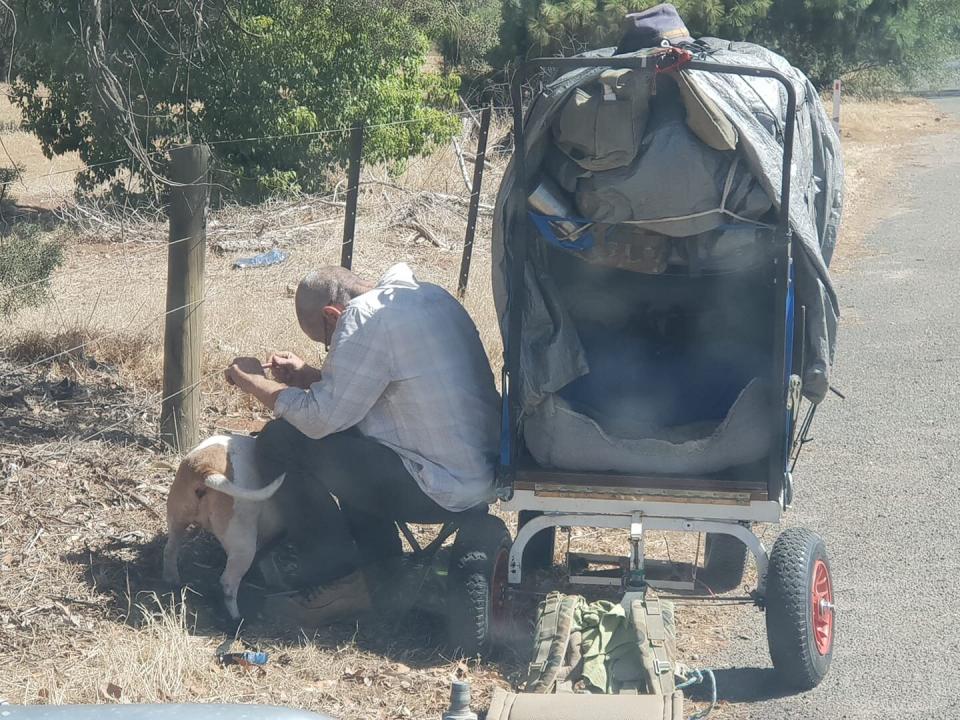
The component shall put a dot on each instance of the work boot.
(348, 597)
(287, 565)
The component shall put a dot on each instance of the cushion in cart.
(560, 437)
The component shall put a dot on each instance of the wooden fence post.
(353, 194)
(186, 254)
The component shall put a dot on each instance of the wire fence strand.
(154, 400)
(250, 139)
(103, 336)
(153, 248)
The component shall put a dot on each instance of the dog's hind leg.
(176, 532)
(241, 546)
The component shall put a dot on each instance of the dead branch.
(423, 231)
(463, 166)
(473, 158)
(409, 218)
(471, 114)
(430, 195)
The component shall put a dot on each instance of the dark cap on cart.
(653, 27)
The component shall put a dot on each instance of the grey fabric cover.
(675, 187)
(551, 354)
(558, 436)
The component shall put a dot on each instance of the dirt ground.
(83, 614)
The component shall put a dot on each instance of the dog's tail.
(225, 485)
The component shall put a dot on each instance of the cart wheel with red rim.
(800, 608)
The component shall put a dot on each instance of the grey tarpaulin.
(551, 354)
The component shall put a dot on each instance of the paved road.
(881, 482)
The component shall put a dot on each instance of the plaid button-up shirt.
(407, 368)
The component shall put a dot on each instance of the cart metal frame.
(633, 502)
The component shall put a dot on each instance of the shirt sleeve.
(355, 373)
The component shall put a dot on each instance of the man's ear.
(332, 312)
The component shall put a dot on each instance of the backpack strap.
(552, 639)
(660, 645)
(654, 644)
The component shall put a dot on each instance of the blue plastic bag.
(271, 257)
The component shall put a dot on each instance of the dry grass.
(83, 617)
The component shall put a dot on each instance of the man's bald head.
(329, 287)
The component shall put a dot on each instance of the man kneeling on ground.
(400, 423)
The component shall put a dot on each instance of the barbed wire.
(157, 397)
(145, 405)
(159, 246)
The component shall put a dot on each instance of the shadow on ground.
(83, 401)
(128, 574)
(744, 685)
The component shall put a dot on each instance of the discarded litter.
(271, 257)
(244, 659)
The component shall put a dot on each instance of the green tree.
(464, 32)
(825, 38)
(547, 27)
(110, 78)
(831, 38)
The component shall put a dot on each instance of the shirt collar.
(399, 275)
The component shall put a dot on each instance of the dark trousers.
(372, 485)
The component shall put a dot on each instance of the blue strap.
(581, 244)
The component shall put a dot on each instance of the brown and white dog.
(218, 488)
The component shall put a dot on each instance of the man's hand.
(285, 366)
(289, 369)
(247, 374)
(241, 368)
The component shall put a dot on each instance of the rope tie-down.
(696, 676)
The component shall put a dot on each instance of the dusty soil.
(83, 615)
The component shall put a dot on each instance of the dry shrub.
(36, 345)
(160, 661)
(132, 355)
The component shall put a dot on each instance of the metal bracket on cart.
(638, 524)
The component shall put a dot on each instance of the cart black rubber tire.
(789, 609)
(479, 555)
(724, 562)
(538, 554)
